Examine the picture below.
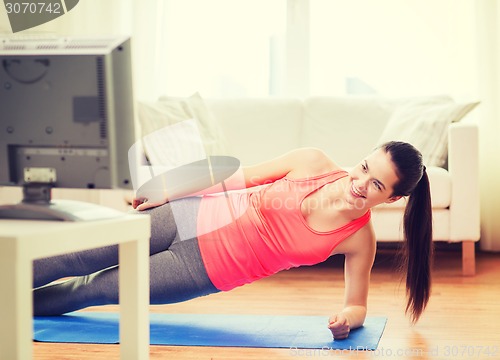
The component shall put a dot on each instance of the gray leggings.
(177, 272)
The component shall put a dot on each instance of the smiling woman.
(242, 236)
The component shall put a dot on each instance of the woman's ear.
(392, 199)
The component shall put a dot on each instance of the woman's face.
(372, 181)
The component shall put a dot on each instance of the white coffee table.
(23, 241)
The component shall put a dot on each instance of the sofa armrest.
(463, 165)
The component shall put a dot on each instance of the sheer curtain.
(289, 47)
(217, 47)
(221, 47)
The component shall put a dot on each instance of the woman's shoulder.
(313, 162)
(362, 241)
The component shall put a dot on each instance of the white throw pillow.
(188, 121)
(424, 124)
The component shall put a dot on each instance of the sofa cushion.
(388, 225)
(440, 184)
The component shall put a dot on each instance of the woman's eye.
(363, 167)
(377, 185)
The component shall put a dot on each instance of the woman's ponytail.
(418, 248)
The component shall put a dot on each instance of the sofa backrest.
(258, 129)
(346, 128)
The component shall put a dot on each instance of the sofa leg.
(468, 258)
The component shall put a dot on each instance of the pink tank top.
(245, 236)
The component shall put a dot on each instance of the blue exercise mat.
(304, 332)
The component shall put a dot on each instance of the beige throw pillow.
(424, 123)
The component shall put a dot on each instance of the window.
(392, 47)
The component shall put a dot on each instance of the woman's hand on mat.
(339, 326)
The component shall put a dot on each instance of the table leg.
(134, 300)
(16, 304)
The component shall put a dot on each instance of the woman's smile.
(356, 193)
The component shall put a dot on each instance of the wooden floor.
(462, 320)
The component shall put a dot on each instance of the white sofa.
(347, 129)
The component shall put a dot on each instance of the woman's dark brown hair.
(418, 247)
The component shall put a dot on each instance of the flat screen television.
(66, 120)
